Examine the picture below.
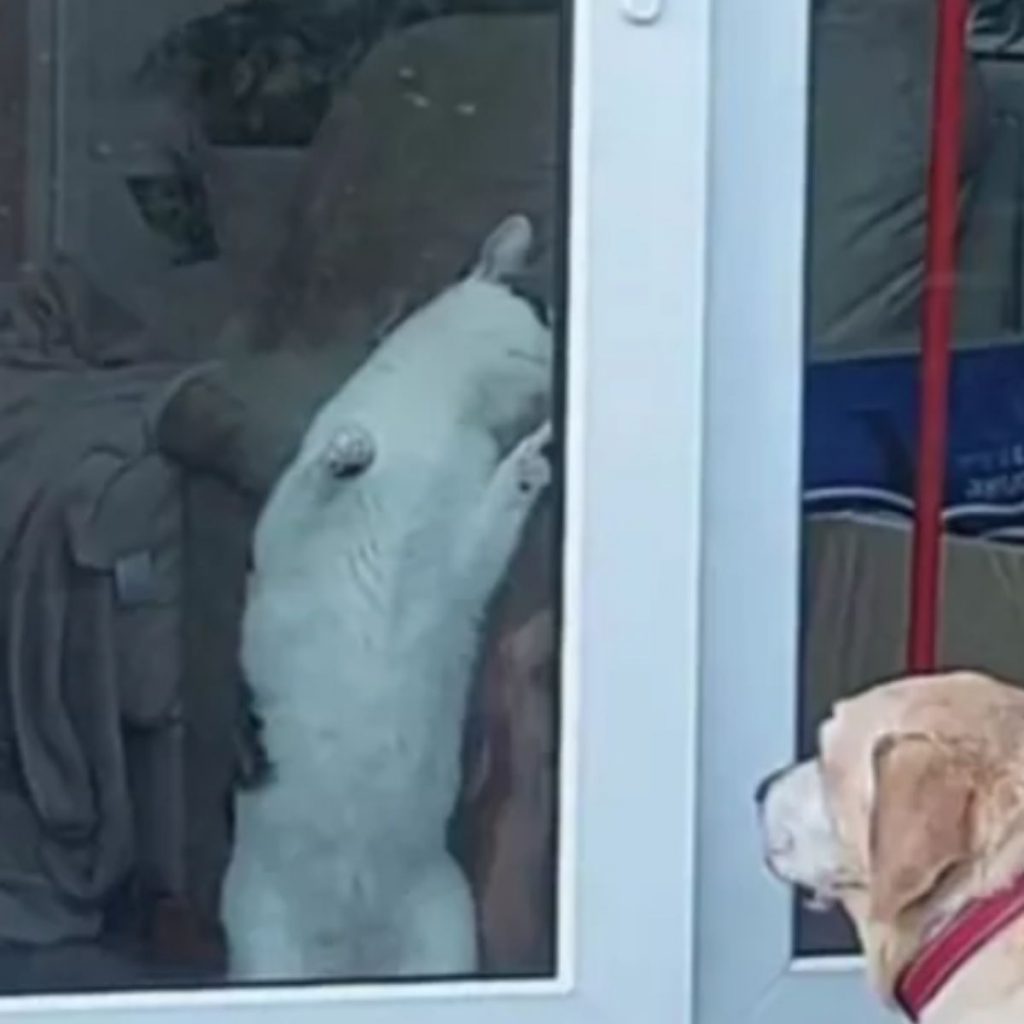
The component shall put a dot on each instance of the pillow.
(383, 220)
(249, 190)
(444, 129)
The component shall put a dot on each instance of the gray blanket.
(89, 522)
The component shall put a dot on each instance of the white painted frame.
(639, 202)
(750, 588)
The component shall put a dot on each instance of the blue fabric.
(860, 429)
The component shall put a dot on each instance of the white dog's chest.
(374, 566)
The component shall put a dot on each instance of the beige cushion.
(444, 130)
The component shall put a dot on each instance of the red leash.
(940, 276)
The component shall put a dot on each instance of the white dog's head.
(482, 351)
(508, 333)
(913, 807)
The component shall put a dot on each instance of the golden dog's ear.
(920, 821)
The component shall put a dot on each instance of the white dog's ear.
(920, 820)
(506, 250)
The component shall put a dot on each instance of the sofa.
(443, 128)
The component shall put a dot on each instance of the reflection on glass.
(871, 107)
(12, 126)
(280, 490)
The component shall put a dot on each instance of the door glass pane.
(281, 397)
(13, 74)
(871, 131)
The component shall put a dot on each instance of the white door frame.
(637, 318)
(751, 516)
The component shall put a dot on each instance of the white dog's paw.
(531, 462)
(493, 534)
(350, 451)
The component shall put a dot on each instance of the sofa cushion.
(383, 220)
(444, 130)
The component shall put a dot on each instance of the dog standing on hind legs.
(374, 561)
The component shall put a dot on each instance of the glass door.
(24, 165)
(350, 617)
(822, 134)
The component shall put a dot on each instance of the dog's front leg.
(496, 527)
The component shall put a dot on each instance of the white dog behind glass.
(374, 561)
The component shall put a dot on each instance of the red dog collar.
(954, 945)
